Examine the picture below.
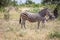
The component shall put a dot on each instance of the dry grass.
(11, 30)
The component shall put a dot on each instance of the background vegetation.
(9, 17)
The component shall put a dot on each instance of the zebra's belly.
(32, 19)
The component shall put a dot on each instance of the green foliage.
(29, 2)
(52, 6)
(51, 1)
(4, 3)
(14, 3)
(34, 10)
(55, 34)
(31, 5)
(1, 9)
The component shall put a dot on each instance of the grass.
(35, 10)
(11, 30)
(55, 35)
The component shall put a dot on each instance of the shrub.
(55, 34)
(35, 10)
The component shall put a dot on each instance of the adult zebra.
(34, 17)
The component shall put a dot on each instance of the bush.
(6, 16)
(55, 35)
(35, 10)
(2, 9)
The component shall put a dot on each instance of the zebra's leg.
(21, 23)
(24, 24)
(38, 24)
(43, 23)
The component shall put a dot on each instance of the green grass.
(55, 35)
(35, 10)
